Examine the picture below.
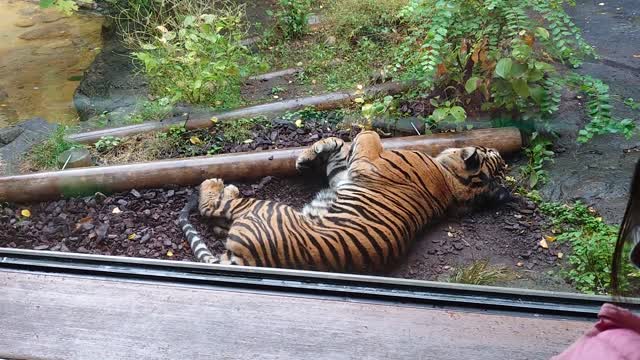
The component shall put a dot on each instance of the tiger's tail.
(197, 244)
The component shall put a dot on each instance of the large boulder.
(23, 136)
(111, 83)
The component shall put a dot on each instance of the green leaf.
(471, 85)
(533, 180)
(537, 93)
(503, 68)
(517, 69)
(440, 114)
(458, 113)
(521, 87)
(46, 3)
(542, 33)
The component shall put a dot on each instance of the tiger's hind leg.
(329, 155)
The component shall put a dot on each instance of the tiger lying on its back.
(376, 203)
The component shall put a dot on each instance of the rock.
(24, 23)
(75, 158)
(3, 95)
(34, 131)
(135, 193)
(54, 47)
(41, 247)
(7, 135)
(47, 32)
(51, 16)
(170, 193)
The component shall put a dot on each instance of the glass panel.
(93, 85)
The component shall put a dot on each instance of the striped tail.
(198, 245)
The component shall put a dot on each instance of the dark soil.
(298, 129)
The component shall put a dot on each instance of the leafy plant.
(634, 105)
(200, 59)
(447, 111)
(538, 154)
(599, 109)
(592, 243)
(107, 143)
(502, 51)
(292, 18)
(66, 6)
(377, 108)
(152, 110)
(44, 156)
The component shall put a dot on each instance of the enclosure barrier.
(230, 167)
(319, 102)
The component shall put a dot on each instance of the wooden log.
(320, 102)
(231, 167)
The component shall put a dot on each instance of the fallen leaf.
(543, 244)
(359, 100)
(131, 236)
(299, 123)
(214, 119)
(25, 213)
(170, 253)
(195, 140)
(560, 255)
(248, 141)
(116, 211)
(85, 220)
(519, 264)
(550, 238)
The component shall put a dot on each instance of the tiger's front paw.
(212, 186)
(317, 154)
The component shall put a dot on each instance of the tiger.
(376, 202)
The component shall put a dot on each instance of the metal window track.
(315, 284)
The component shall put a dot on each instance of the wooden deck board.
(46, 316)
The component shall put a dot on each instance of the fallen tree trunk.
(230, 167)
(320, 102)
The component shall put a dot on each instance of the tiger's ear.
(471, 159)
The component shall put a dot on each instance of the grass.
(44, 156)
(481, 273)
(337, 60)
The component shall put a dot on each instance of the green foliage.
(376, 108)
(200, 59)
(44, 156)
(353, 19)
(238, 131)
(599, 109)
(107, 143)
(634, 105)
(592, 245)
(592, 242)
(501, 50)
(480, 273)
(447, 111)
(66, 6)
(538, 153)
(151, 110)
(292, 18)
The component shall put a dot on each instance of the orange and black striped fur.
(376, 202)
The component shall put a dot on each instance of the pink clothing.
(615, 336)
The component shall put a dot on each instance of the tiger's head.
(478, 175)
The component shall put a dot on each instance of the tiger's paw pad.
(212, 186)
